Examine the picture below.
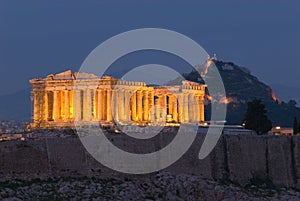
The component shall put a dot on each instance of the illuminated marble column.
(175, 113)
(190, 108)
(115, 105)
(87, 101)
(104, 104)
(170, 105)
(157, 109)
(194, 108)
(94, 105)
(46, 106)
(77, 105)
(35, 107)
(185, 108)
(121, 102)
(67, 105)
(201, 108)
(133, 106)
(151, 106)
(89, 104)
(71, 96)
(56, 108)
(197, 113)
(164, 106)
(99, 105)
(146, 106)
(180, 107)
(108, 106)
(139, 105)
(126, 105)
(61, 99)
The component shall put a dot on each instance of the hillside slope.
(241, 87)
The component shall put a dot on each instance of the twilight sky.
(42, 37)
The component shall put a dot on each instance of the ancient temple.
(60, 99)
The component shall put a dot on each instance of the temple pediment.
(81, 75)
(68, 75)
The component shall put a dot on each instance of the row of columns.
(121, 105)
(184, 107)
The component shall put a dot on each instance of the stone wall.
(240, 159)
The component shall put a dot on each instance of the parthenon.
(61, 99)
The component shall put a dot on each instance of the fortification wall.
(240, 159)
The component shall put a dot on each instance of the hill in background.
(241, 87)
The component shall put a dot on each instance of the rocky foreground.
(164, 186)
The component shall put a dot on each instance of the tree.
(256, 118)
(292, 103)
(295, 126)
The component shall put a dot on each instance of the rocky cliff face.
(245, 160)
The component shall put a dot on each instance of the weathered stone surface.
(66, 155)
(280, 161)
(23, 159)
(246, 158)
(237, 163)
(217, 160)
(189, 162)
(237, 158)
(296, 160)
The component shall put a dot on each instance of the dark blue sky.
(42, 37)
